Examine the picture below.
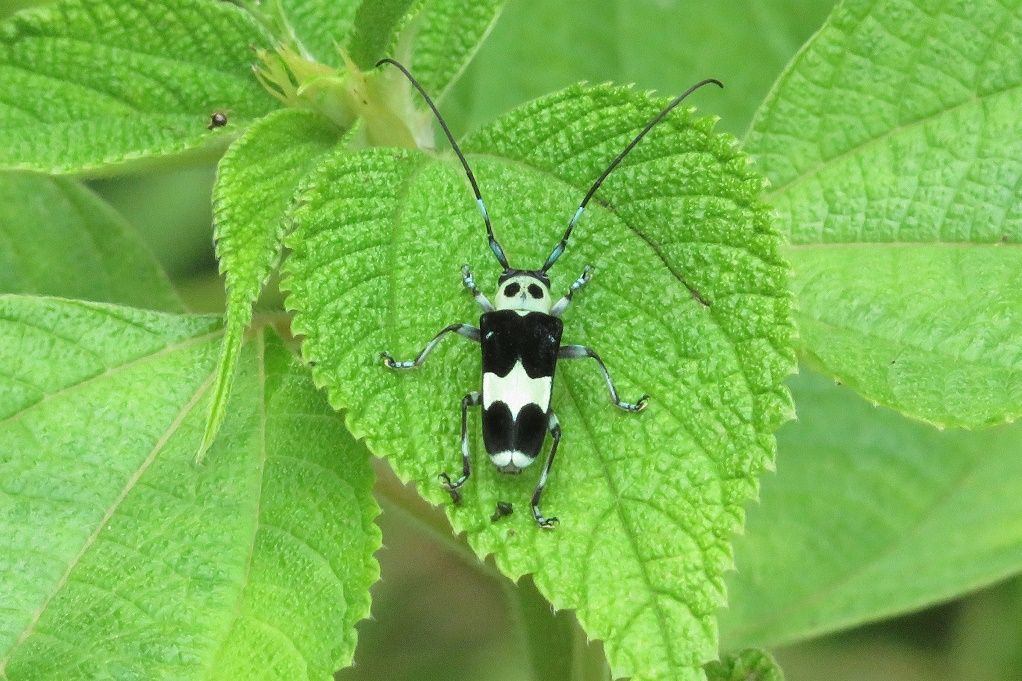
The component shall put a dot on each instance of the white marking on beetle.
(511, 460)
(516, 390)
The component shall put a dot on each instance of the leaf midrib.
(706, 305)
(112, 371)
(102, 524)
(951, 360)
(628, 530)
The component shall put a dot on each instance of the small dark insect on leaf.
(217, 120)
(503, 509)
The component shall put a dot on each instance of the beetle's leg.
(470, 284)
(469, 332)
(577, 351)
(561, 305)
(555, 433)
(470, 400)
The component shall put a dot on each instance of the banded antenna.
(494, 244)
(559, 248)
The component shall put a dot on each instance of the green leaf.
(871, 514)
(748, 665)
(446, 37)
(321, 26)
(256, 181)
(377, 23)
(988, 634)
(8, 7)
(895, 148)
(93, 83)
(435, 38)
(61, 239)
(172, 211)
(662, 45)
(647, 502)
(118, 557)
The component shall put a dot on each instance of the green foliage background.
(892, 142)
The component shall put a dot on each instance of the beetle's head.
(525, 290)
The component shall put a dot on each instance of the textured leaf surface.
(256, 181)
(748, 665)
(118, 557)
(447, 35)
(894, 144)
(91, 83)
(375, 29)
(8, 7)
(647, 502)
(321, 25)
(661, 44)
(436, 38)
(870, 515)
(58, 238)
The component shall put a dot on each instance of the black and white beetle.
(521, 342)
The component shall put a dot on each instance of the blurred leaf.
(171, 211)
(876, 659)
(645, 529)
(748, 665)
(894, 144)
(93, 83)
(989, 641)
(256, 181)
(61, 240)
(118, 558)
(539, 46)
(870, 515)
(375, 28)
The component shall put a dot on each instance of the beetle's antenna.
(494, 244)
(559, 248)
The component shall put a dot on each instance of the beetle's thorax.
(523, 291)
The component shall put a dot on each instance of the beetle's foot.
(389, 361)
(637, 406)
(543, 521)
(453, 488)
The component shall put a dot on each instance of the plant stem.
(394, 498)
(555, 644)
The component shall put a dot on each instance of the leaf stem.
(557, 647)
(395, 498)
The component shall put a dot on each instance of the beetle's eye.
(535, 291)
(511, 289)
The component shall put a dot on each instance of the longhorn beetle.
(521, 341)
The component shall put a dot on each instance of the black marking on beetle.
(532, 339)
(525, 330)
(525, 433)
(498, 428)
(530, 430)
